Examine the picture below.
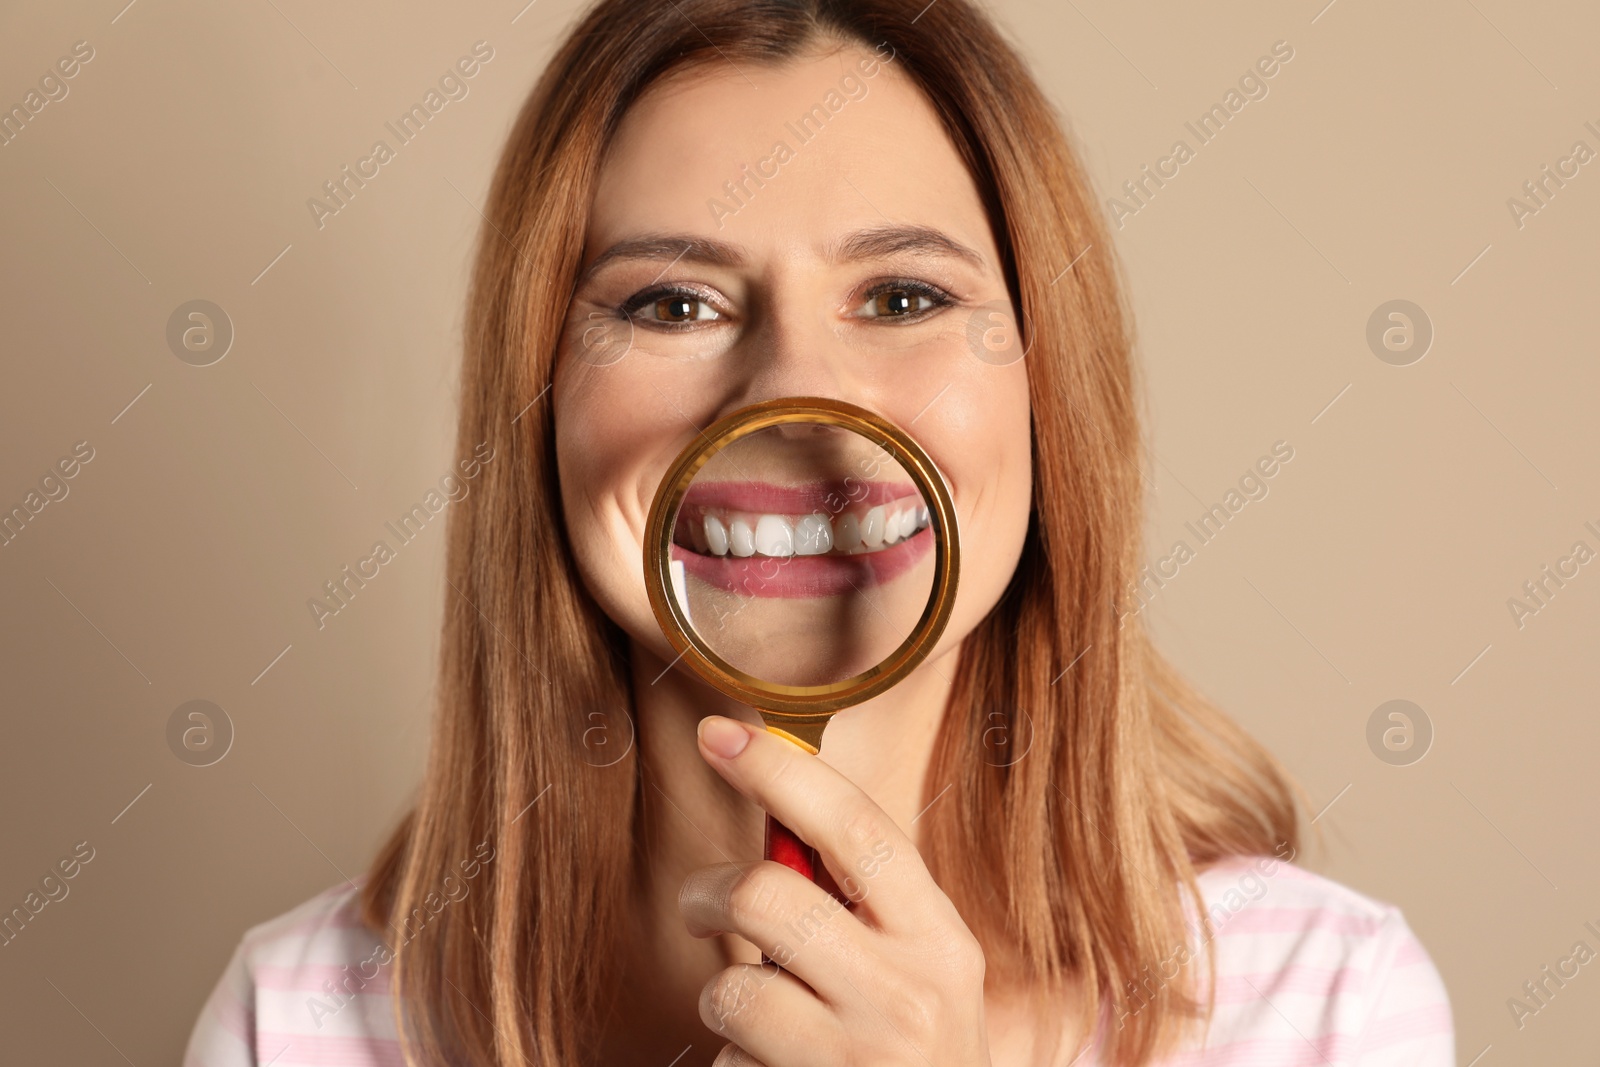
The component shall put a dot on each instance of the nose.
(793, 350)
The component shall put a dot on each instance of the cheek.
(607, 440)
(983, 443)
(982, 439)
(1001, 420)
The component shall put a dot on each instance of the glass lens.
(803, 554)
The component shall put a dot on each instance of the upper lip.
(814, 498)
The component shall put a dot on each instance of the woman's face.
(764, 232)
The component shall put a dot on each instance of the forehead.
(785, 155)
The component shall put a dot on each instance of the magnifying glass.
(801, 556)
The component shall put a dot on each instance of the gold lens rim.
(801, 705)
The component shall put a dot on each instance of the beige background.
(1379, 567)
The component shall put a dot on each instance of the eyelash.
(938, 297)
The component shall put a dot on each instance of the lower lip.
(802, 577)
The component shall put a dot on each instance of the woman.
(1073, 858)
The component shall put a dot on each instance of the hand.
(896, 978)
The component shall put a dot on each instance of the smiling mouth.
(800, 541)
(744, 519)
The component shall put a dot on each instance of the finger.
(794, 921)
(770, 1015)
(872, 860)
(734, 1056)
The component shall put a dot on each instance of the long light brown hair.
(1089, 783)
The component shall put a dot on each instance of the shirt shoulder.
(1311, 971)
(308, 987)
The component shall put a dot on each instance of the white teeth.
(716, 535)
(741, 540)
(872, 528)
(774, 536)
(812, 536)
(847, 533)
(781, 536)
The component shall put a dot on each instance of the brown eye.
(677, 309)
(666, 307)
(895, 302)
(902, 300)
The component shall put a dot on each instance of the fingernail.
(723, 737)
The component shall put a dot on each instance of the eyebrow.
(878, 242)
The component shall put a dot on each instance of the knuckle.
(896, 989)
(959, 956)
(969, 961)
(727, 996)
(734, 1056)
(922, 1019)
(756, 897)
(860, 828)
(916, 1015)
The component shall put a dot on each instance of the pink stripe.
(1250, 920)
(1410, 952)
(314, 1050)
(1408, 1026)
(1331, 982)
(1271, 1052)
(309, 977)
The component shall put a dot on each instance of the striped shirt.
(1309, 974)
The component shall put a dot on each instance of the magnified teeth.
(847, 533)
(812, 536)
(716, 536)
(726, 531)
(872, 527)
(774, 536)
(741, 539)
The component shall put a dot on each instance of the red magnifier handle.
(784, 846)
